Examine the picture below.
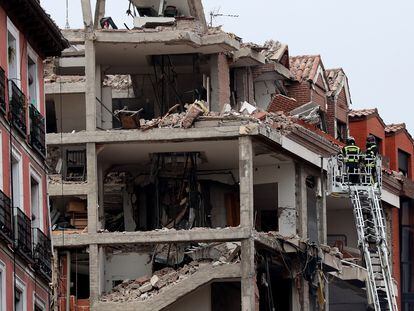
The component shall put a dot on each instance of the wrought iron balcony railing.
(17, 108)
(37, 130)
(3, 83)
(23, 234)
(42, 253)
(6, 226)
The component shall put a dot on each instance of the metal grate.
(37, 130)
(23, 234)
(18, 108)
(6, 227)
(42, 253)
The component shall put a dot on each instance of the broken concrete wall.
(220, 82)
(264, 92)
(126, 266)
(284, 175)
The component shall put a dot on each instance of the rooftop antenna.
(216, 13)
(67, 15)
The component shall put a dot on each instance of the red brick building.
(397, 147)
(27, 36)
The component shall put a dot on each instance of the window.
(39, 305)
(13, 55)
(33, 82)
(20, 296)
(403, 162)
(35, 201)
(341, 131)
(17, 183)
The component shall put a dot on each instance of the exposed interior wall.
(263, 93)
(126, 266)
(283, 175)
(341, 222)
(72, 108)
(199, 300)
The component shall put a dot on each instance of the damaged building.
(189, 169)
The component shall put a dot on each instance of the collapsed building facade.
(188, 169)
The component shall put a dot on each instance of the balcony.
(37, 131)
(42, 253)
(6, 228)
(18, 109)
(3, 106)
(23, 235)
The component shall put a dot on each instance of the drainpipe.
(68, 264)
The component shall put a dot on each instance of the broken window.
(341, 131)
(67, 164)
(404, 163)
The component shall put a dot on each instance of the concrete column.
(246, 182)
(90, 72)
(248, 272)
(301, 208)
(92, 170)
(87, 14)
(94, 273)
(99, 12)
(220, 81)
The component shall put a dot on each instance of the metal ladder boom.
(373, 244)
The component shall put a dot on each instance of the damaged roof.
(305, 67)
(336, 78)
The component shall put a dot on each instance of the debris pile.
(205, 256)
(118, 82)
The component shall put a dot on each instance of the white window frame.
(15, 33)
(34, 57)
(17, 155)
(36, 176)
(38, 302)
(3, 306)
(21, 286)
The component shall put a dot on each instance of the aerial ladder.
(362, 183)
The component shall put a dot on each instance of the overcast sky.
(373, 40)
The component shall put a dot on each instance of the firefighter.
(371, 157)
(351, 153)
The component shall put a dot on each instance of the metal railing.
(6, 225)
(17, 108)
(364, 171)
(37, 130)
(3, 107)
(23, 234)
(42, 253)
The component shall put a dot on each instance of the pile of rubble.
(118, 82)
(202, 256)
(145, 287)
(199, 112)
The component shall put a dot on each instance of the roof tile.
(362, 113)
(304, 67)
